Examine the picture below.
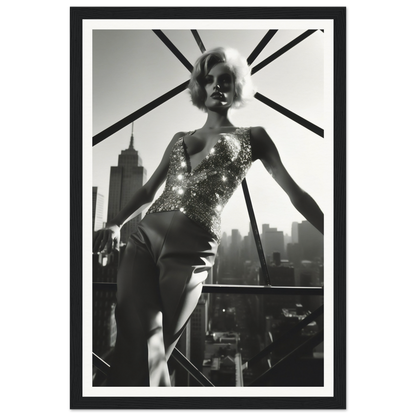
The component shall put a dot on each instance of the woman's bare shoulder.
(258, 132)
(178, 136)
(261, 143)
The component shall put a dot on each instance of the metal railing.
(308, 345)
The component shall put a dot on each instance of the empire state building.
(125, 180)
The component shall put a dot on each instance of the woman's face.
(219, 87)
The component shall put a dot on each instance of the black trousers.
(158, 286)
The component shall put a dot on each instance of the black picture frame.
(77, 400)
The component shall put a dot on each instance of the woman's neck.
(216, 120)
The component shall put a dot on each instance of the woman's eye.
(226, 81)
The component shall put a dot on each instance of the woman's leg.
(159, 284)
(177, 316)
(187, 256)
(139, 344)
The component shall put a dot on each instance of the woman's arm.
(144, 196)
(264, 149)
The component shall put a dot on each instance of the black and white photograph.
(210, 181)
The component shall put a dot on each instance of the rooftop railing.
(305, 347)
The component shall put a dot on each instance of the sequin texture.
(202, 193)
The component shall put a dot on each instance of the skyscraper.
(125, 180)
(273, 241)
(295, 232)
(235, 246)
(199, 328)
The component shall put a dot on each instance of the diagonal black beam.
(308, 345)
(173, 49)
(281, 51)
(257, 50)
(256, 233)
(290, 114)
(192, 370)
(198, 40)
(137, 114)
(276, 343)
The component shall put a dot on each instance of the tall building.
(295, 233)
(125, 179)
(199, 328)
(295, 253)
(97, 209)
(273, 241)
(103, 309)
(281, 274)
(235, 246)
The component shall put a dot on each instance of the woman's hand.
(107, 239)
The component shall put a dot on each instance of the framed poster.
(264, 332)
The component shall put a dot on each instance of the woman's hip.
(173, 233)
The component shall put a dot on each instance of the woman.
(168, 258)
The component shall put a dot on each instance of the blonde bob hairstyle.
(244, 88)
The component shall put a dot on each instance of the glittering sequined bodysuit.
(202, 192)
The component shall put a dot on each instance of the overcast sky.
(133, 67)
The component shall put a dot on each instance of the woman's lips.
(217, 95)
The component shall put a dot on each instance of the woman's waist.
(185, 223)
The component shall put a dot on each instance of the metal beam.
(137, 114)
(277, 342)
(263, 290)
(100, 363)
(281, 51)
(309, 344)
(290, 114)
(257, 50)
(198, 40)
(256, 234)
(192, 370)
(240, 289)
(173, 49)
